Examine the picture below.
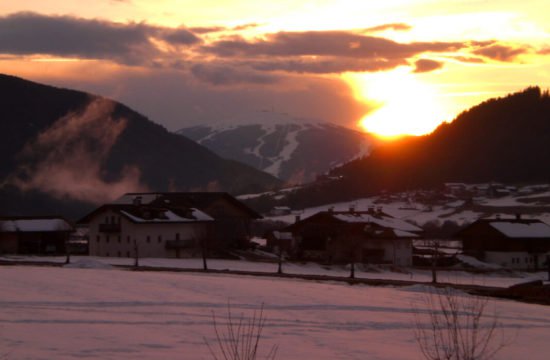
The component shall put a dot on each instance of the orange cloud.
(502, 52)
(426, 65)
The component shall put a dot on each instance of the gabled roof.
(375, 224)
(514, 228)
(522, 229)
(199, 200)
(141, 214)
(35, 224)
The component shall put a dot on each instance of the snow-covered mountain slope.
(290, 149)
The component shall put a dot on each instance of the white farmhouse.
(513, 243)
(121, 230)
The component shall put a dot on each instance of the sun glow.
(404, 105)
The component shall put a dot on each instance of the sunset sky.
(390, 67)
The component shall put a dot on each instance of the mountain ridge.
(294, 150)
(69, 145)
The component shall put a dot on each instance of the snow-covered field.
(69, 313)
(495, 278)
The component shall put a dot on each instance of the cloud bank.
(228, 58)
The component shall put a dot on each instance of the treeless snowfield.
(68, 313)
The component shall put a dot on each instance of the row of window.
(527, 260)
(128, 239)
(118, 254)
(112, 219)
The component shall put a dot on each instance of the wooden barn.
(43, 235)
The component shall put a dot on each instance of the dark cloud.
(217, 29)
(180, 36)
(66, 36)
(393, 26)
(502, 52)
(207, 29)
(469, 59)
(220, 74)
(426, 65)
(245, 26)
(326, 43)
(326, 65)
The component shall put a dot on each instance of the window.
(177, 236)
(148, 239)
(160, 239)
(119, 239)
(98, 238)
(107, 239)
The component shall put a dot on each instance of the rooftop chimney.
(518, 216)
(352, 208)
(297, 218)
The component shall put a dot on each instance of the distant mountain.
(63, 150)
(501, 140)
(294, 150)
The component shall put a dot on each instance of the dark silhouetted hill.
(62, 150)
(502, 140)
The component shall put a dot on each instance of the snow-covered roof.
(384, 221)
(34, 225)
(128, 199)
(405, 234)
(522, 230)
(170, 217)
(282, 235)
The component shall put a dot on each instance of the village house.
(513, 243)
(44, 235)
(371, 236)
(168, 225)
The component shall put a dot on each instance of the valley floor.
(69, 313)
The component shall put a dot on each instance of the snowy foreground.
(69, 313)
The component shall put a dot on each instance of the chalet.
(513, 243)
(168, 224)
(366, 236)
(34, 235)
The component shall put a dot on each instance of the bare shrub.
(241, 338)
(458, 327)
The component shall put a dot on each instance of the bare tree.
(241, 338)
(458, 327)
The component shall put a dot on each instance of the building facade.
(512, 243)
(372, 237)
(168, 225)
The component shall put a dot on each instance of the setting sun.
(403, 104)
